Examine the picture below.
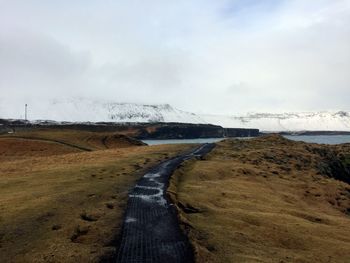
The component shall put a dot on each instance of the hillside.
(41, 141)
(87, 110)
(110, 131)
(267, 200)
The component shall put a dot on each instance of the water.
(322, 139)
(176, 141)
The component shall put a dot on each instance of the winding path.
(151, 231)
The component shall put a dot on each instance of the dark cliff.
(140, 130)
(192, 131)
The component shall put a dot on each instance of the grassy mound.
(266, 200)
(15, 148)
(73, 140)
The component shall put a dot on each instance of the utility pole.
(25, 111)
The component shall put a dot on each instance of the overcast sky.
(206, 56)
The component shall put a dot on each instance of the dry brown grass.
(16, 148)
(67, 207)
(86, 140)
(264, 200)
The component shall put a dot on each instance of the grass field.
(63, 195)
(17, 148)
(60, 203)
(78, 139)
(265, 200)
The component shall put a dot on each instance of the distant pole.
(25, 111)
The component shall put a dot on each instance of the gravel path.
(151, 231)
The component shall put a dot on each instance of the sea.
(179, 141)
(321, 139)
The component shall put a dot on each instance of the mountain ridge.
(84, 110)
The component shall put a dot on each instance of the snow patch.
(154, 198)
(130, 220)
(152, 175)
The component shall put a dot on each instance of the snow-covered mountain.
(84, 110)
(302, 121)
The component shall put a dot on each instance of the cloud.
(39, 66)
(205, 56)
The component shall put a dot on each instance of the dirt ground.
(265, 200)
(62, 204)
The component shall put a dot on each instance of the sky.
(204, 56)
